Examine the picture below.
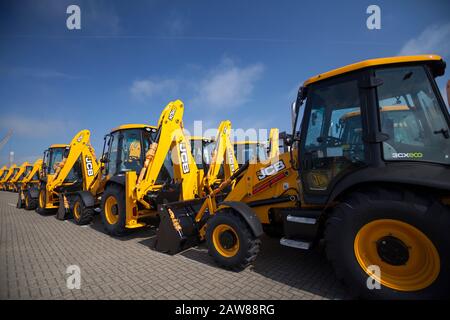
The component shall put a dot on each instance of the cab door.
(332, 135)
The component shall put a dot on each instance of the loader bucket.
(177, 229)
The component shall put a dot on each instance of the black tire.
(41, 208)
(375, 207)
(118, 228)
(81, 214)
(30, 203)
(248, 244)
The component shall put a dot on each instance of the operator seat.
(133, 162)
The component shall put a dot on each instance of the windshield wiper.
(444, 132)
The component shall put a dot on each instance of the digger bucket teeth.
(177, 229)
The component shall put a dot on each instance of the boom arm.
(170, 137)
(36, 167)
(8, 175)
(223, 154)
(80, 146)
(20, 172)
(274, 144)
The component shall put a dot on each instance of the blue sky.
(236, 60)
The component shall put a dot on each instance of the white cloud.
(225, 85)
(141, 89)
(228, 85)
(434, 39)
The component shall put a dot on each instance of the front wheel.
(230, 241)
(391, 244)
(42, 202)
(114, 211)
(30, 202)
(81, 214)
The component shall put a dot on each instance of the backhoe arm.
(274, 144)
(223, 153)
(79, 146)
(20, 172)
(36, 167)
(170, 137)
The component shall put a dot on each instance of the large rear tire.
(113, 211)
(230, 241)
(81, 214)
(391, 244)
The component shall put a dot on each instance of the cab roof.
(372, 63)
(132, 126)
(53, 146)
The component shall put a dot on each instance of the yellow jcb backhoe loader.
(24, 168)
(3, 172)
(368, 171)
(136, 187)
(51, 159)
(29, 185)
(7, 175)
(76, 178)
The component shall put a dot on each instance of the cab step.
(304, 245)
(303, 220)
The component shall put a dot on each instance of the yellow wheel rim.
(26, 201)
(111, 210)
(42, 199)
(76, 210)
(225, 240)
(407, 258)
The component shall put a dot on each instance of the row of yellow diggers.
(367, 170)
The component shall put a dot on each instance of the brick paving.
(35, 251)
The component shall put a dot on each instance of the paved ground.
(36, 250)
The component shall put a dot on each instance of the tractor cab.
(52, 158)
(381, 114)
(125, 147)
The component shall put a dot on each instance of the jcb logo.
(184, 158)
(171, 114)
(270, 170)
(89, 167)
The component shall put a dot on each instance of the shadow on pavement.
(307, 271)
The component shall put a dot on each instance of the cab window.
(411, 116)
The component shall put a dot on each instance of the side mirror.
(294, 111)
